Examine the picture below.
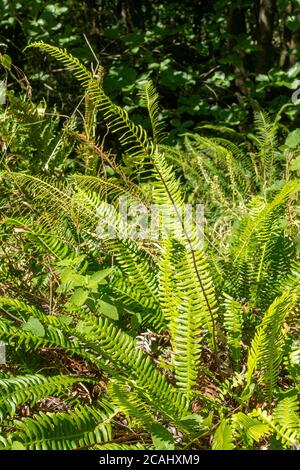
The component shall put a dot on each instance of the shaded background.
(209, 60)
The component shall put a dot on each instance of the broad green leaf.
(69, 277)
(162, 439)
(83, 327)
(65, 319)
(223, 437)
(97, 279)
(79, 297)
(247, 392)
(207, 422)
(108, 309)
(34, 326)
(99, 276)
(295, 165)
(16, 445)
(293, 139)
(194, 422)
(5, 61)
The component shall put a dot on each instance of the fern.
(267, 142)
(133, 137)
(130, 404)
(286, 413)
(82, 427)
(233, 323)
(249, 428)
(223, 439)
(19, 390)
(167, 329)
(149, 99)
(267, 346)
(286, 434)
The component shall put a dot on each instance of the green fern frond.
(267, 142)
(115, 446)
(168, 295)
(267, 345)
(111, 188)
(80, 72)
(223, 437)
(56, 332)
(253, 224)
(211, 176)
(189, 307)
(80, 428)
(50, 195)
(221, 160)
(130, 404)
(286, 413)
(138, 266)
(43, 240)
(233, 323)
(147, 306)
(259, 249)
(132, 137)
(249, 428)
(196, 286)
(170, 192)
(29, 389)
(149, 99)
(106, 339)
(289, 435)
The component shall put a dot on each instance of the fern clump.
(192, 341)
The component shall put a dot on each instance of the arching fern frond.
(107, 339)
(29, 389)
(249, 428)
(283, 424)
(132, 137)
(84, 426)
(149, 99)
(130, 404)
(79, 70)
(267, 345)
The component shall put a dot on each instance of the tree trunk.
(237, 27)
(134, 14)
(290, 40)
(265, 28)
